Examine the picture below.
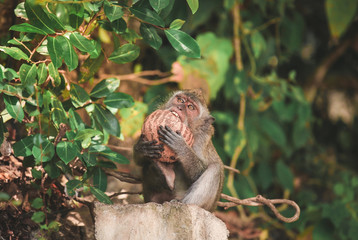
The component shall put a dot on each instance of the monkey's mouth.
(175, 114)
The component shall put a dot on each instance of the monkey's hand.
(174, 140)
(192, 164)
(145, 150)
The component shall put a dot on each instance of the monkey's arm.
(144, 150)
(193, 165)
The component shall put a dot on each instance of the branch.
(122, 193)
(138, 77)
(124, 177)
(232, 169)
(259, 201)
(237, 44)
(323, 68)
(61, 133)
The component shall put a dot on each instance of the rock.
(172, 220)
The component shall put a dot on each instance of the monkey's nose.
(180, 108)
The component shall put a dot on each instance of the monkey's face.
(185, 108)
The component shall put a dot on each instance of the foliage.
(249, 56)
(37, 94)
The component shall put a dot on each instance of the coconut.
(165, 118)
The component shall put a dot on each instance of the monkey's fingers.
(165, 135)
(154, 155)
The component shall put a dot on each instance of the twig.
(38, 45)
(266, 24)
(322, 69)
(237, 43)
(138, 77)
(232, 169)
(259, 201)
(61, 133)
(124, 177)
(22, 44)
(240, 124)
(121, 193)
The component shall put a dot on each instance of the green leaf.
(42, 73)
(150, 36)
(82, 43)
(67, 151)
(10, 74)
(2, 129)
(125, 54)
(258, 44)
(106, 164)
(106, 152)
(113, 12)
(54, 52)
(85, 136)
(72, 185)
(13, 107)
(20, 11)
(28, 74)
(37, 203)
(114, 156)
(89, 159)
(119, 26)
(54, 75)
(87, 133)
(58, 113)
(100, 195)
(158, 5)
(52, 169)
(2, 74)
(90, 67)
(107, 120)
(105, 87)
(340, 14)
(75, 120)
(177, 24)
(15, 53)
(38, 217)
(274, 131)
(183, 43)
(65, 49)
(130, 35)
(79, 97)
(38, 17)
(43, 152)
(147, 15)
(100, 179)
(36, 173)
(284, 175)
(25, 27)
(119, 100)
(24, 147)
(76, 14)
(11, 91)
(4, 197)
(194, 5)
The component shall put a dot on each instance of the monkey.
(199, 171)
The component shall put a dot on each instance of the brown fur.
(199, 170)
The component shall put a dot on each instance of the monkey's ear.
(210, 120)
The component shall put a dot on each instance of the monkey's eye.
(180, 100)
(191, 107)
